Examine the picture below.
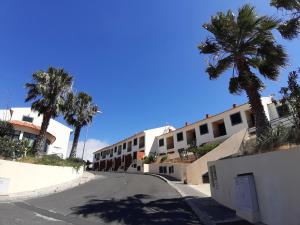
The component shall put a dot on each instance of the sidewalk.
(208, 210)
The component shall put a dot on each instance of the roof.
(31, 126)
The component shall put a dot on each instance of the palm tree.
(290, 27)
(244, 43)
(79, 113)
(48, 93)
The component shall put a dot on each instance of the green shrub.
(164, 158)
(149, 159)
(276, 137)
(54, 160)
(6, 128)
(13, 148)
(200, 151)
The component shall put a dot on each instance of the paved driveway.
(113, 198)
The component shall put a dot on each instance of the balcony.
(219, 128)
(191, 137)
(170, 143)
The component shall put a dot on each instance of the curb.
(86, 177)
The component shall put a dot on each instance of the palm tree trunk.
(261, 122)
(251, 87)
(75, 142)
(41, 138)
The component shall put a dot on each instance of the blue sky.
(137, 58)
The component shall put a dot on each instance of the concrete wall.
(26, 177)
(231, 146)
(179, 169)
(277, 184)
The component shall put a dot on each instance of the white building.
(27, 125)
(213, 128)
(128, 152)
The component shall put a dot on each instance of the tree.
(6, 128)
(289, 28)
(79, 113)
(244, 43)
(291, 97)
(48, 92)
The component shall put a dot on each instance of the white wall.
(209, 137)
(277, 182)
(59, 130)
(150, 143)
(25, 177)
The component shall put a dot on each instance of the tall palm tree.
(48, 92)
(244, 43)
(79, 113)
(289, 28)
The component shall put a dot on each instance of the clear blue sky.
(137, 58)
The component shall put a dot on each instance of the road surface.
(112, 198)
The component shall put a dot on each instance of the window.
(162, 169)
(27, 119)
(180, 137)
(116, 149)
(135, 141)
(124, 145)
(129, 146)
(161, 142)
(283, 110)
(203, 129)
(236, 118)
(29, 137)
(142, 142)
(171, 169)
(134, 155)
(16, 134)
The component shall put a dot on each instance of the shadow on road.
(138, 209)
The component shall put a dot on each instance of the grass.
(53, 160)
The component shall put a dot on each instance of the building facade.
(27, 125)
(128, 152)
(214, 128)
(174, 142)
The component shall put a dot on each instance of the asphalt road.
(112, 198)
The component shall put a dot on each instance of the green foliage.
(79, 111)
(13, 148)
(244, 43)
(200, 151)
(54, 160)
(276, 137)
(291, 97)
(48, 93)
(149, 159)
(6, 128)
(164, 158)
(289, 28)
